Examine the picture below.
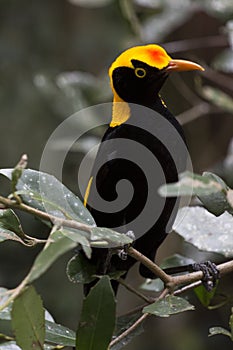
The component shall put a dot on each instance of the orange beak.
(182, 65)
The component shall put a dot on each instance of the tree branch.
(8, 203)
(129, 330)
(170, 281)
(150, 265)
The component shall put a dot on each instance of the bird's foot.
(122, 253)
(210, 274)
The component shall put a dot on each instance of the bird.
(141, 125)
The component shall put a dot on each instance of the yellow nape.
(120, 111)
(87, 192)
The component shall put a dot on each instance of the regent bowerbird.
(136, 77)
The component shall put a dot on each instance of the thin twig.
(197, 43)
(220, 79)
(135, 291)
(187, 288)
(130, 329)
(193, 113)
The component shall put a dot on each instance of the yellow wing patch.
(87, 192)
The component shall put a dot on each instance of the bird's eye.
(140, 72)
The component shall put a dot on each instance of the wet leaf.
(9, 225)
(216, 202)
(190, 184)
(109, 237)
(79, 237)
(11, 229)
(58, 334)
(206, 231)
(28, 320)
(44, 192)
(10, 221)
(97, 320)
(80, 269)
(219, 330)
(58, 245)
(168, 306)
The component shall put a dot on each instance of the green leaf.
(54, 333)
(28, 320)
(10, 221)
(78, 236)
(219, 330)
(122, 324)
(11, 229)
(58, 334)
(17, 171)
(108, 237)
(156, 285)
(217, 202)
(190, 184)
(206, 231)
(97, 318)
(80, 270)
(170, 305)
(58, 245)
(44, 192)
(204, 296)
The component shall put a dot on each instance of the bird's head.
(137, 75)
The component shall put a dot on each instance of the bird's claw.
(210, 274)
(122, 254)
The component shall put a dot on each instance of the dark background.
(40, 42)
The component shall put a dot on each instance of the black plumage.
(155, 129)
